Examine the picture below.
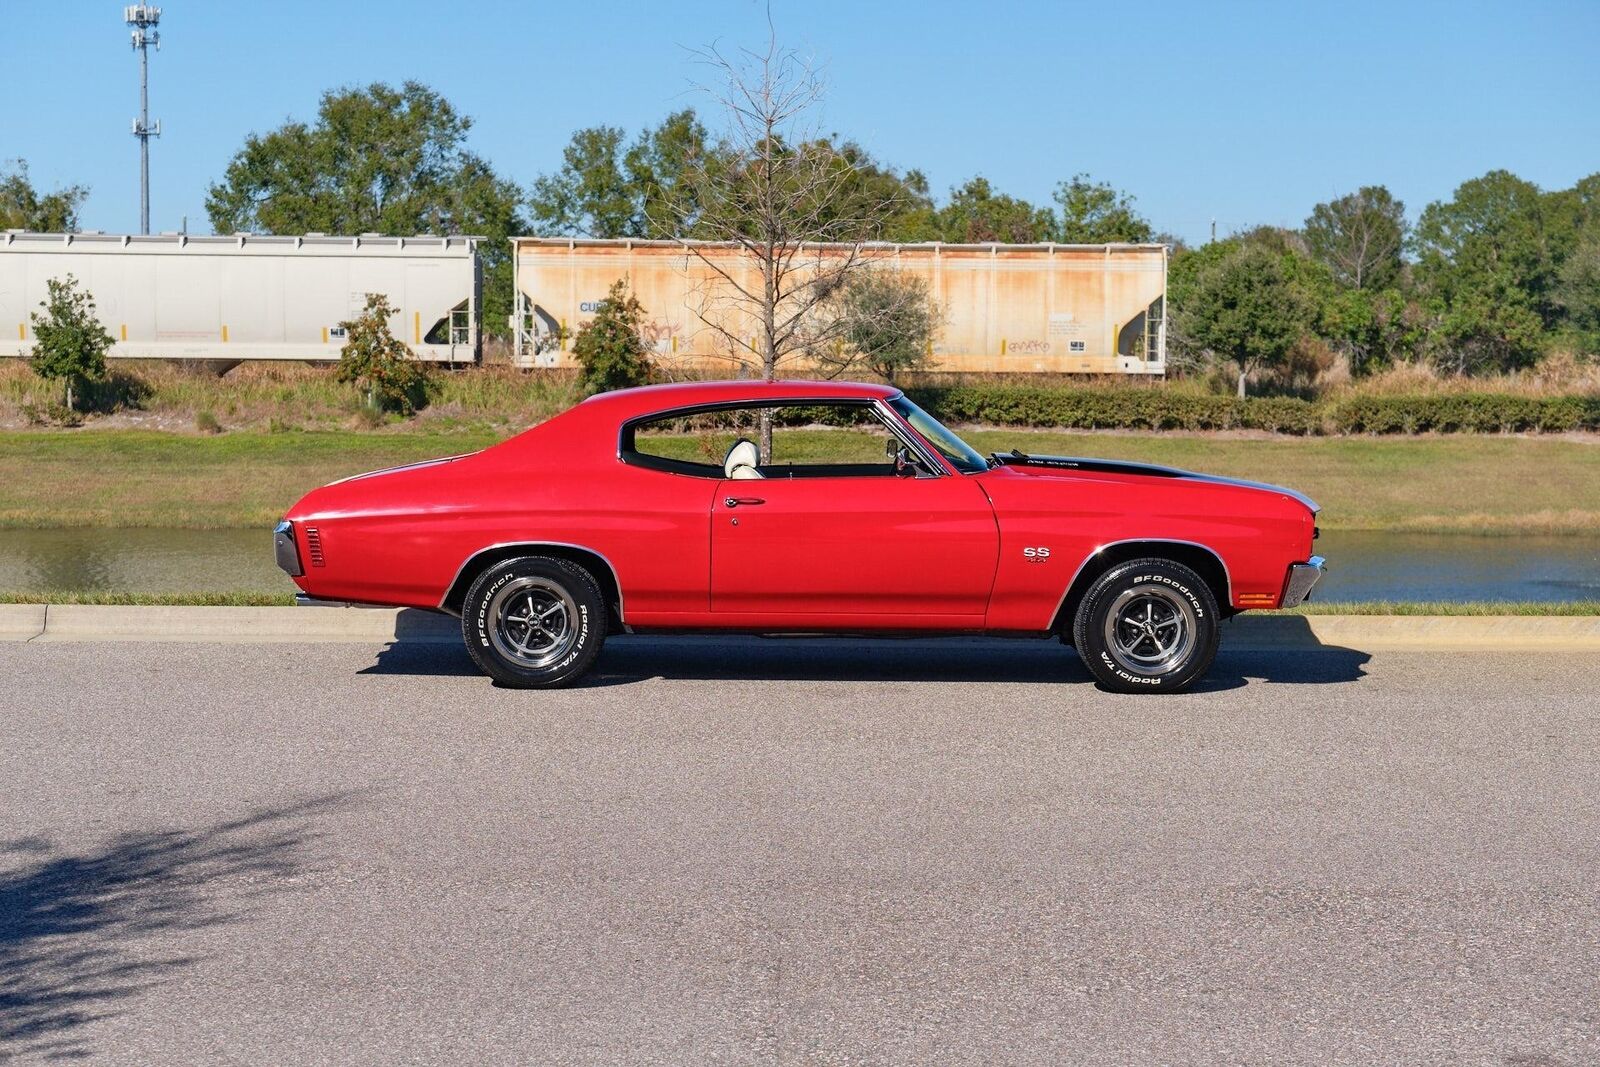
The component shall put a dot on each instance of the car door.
(913, 551)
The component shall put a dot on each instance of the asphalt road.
(795, 852)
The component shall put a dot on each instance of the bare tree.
(782, 217)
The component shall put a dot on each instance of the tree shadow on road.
(82, 934)
(631, 659)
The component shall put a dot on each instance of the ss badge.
(1036, 555)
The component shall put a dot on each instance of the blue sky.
(1246, 112)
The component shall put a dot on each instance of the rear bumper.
(1303, 577)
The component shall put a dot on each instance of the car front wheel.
(534, 622)
(1147, 626)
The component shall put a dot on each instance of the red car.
(653, 509)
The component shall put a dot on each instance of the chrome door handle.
(746, 501)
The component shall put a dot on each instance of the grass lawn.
(147, 478)
(1455, 484)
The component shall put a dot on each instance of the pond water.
(1361, 566)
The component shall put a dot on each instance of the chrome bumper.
(1303, 577)
(287, 550)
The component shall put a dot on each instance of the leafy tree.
(376, 160)
(590, 194)
(1486, 273)
(648, 189)
(606, 190)
(657, 166)
(22, 207)
(609, 347)
(1095, 213)
(890, 322)
(1236, 300)
(1578, 292)
(1359, 237)
(70, 343)
(976, 214)
(379, 362)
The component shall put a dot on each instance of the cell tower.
(143, 18)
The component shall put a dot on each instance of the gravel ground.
(748, 851)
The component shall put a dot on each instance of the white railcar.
(248, 297)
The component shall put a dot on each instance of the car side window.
(826, 440)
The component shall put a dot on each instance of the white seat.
(740, 464)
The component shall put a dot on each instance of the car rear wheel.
(534, 622)
(1147, 626)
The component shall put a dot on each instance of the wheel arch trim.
(1227, 576)
(466, 564)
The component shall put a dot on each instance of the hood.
(1016, 458)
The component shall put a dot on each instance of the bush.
(71, 343)
(609, 347)
(379, 362)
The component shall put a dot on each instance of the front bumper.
(288, 552)
(1303, 577)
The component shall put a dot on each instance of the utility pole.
(143, 18)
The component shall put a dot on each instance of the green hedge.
(1464, 413)
(1162, 409)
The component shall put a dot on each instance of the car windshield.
(962, 456)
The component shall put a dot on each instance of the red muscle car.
(654, 509)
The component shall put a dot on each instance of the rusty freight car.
(1072, 309)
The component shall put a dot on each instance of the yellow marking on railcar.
(124, 331)
(224, 333)
(416, 327)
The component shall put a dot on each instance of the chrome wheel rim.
(533, 621)
(1150, 630)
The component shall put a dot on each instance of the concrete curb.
(1415, 633)
(21, 622)
(1366, 633)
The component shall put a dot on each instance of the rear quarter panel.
(402, 537)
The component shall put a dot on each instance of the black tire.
(1147, 626)
(534, 622)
